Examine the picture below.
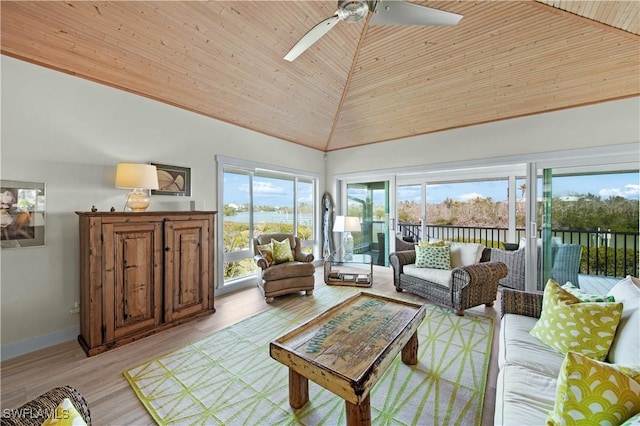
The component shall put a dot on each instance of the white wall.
(70, 133)
(610, 123)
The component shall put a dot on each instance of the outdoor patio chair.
(564, 268)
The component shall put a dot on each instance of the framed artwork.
(173, 180)
(22, 213)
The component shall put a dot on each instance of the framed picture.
(22, 213)
(173, 180)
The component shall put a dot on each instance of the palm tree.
(523, 189)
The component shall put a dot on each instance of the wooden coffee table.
(348, 348)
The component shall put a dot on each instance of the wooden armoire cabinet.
(141, 273)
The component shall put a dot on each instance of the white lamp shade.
(346, 224)
(131, 175)
(352, 224)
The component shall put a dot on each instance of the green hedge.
(595, 257)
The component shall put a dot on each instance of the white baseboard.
(12, 350)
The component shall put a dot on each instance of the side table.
(357, 270)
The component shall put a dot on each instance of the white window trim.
(255, 167)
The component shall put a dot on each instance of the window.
(255, 200)
(598, 211)
(410, 207)
(274, 199)
(475, 210)
(306, 205)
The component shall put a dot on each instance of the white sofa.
(528, 368)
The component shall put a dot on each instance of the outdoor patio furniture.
(402, 244)
(564, 268)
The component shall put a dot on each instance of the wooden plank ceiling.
(359, 84)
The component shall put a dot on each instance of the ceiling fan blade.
(313, 35)
(392, 12)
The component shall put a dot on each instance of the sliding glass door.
(589, 224)
(410, 208)
(370, 201)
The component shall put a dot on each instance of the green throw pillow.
(438, 243)
(281, 251)
(587, 297)
(566, 324)
(590, 392)
(433, 257)
(65, 414)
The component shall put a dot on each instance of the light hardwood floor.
(100, 378)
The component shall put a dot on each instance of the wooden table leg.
(410, 350)
(298, 389)
(359, 414)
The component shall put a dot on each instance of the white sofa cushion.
(523, 397)
(465, 254)
(624, 349)
(438, 276)
(518, 347)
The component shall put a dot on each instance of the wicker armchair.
(471, 285)
(36, 411)
(402, 245)
(515, 261)
(565, 265)
(520, 303)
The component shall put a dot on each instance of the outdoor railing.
(605, 253)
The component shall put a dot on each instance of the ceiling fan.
(385, 12)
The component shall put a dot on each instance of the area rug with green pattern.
(229, 378)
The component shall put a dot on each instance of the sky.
(626, 185)
(266, 191)
(277, 192)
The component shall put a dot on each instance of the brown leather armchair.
(277, 279)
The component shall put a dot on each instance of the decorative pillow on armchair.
(435, 243)
(433, 257)
(266, 250)
(282, 251)
(465, 254)
(566, 324)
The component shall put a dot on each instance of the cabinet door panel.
(186, 268)
(133, 278)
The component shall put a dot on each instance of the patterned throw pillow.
(566, 324)
(587, 297)
(266, 250)
(433, 257)
(65, 414)
(436, 243)
(594, 391)
(282, 251)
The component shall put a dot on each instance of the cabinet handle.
(167, 249)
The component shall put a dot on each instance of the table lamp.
(347, 225)
(140, 178)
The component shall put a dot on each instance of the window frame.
(260, 169)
